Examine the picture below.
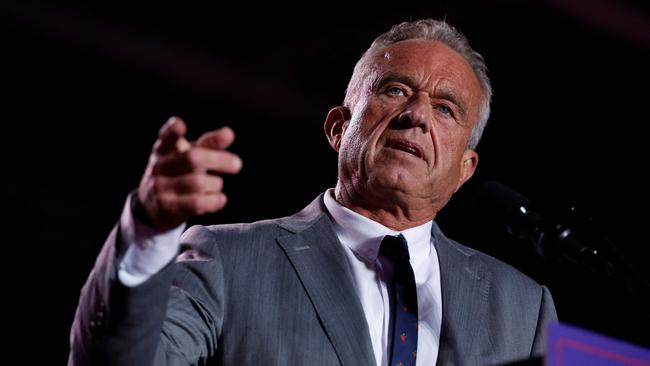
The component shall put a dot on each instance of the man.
(361, 276)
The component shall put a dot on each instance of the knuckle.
(220, 163)
(226, 160)
(191, 157)
(158, 186)
(198, 205)
(156, 164)
(195, 182)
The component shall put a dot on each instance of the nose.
(418, 113)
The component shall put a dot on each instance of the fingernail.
(170, 121)
(182, 145)
(237, 163)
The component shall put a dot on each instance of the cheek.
(449, 144)
(355, 152)
(360, 138)
(452, 137)
(351, 147)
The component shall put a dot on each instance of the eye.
(444, 109)
(395, 91)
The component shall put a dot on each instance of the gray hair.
(433, 30)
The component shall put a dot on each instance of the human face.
(405, 142)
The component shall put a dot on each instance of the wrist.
(139, 212)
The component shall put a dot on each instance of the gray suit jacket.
(280, 292)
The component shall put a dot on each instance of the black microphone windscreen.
(498, 202)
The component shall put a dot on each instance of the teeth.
(411, 150)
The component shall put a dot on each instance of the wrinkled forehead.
(422, 57)
(430, 63)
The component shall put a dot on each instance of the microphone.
(551, 240)
(555, 239)
(502, 205)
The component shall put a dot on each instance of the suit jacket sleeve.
(547, 315)
(174, 318)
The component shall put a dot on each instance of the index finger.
(169, 135)
(218, 139)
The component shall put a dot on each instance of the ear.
(335, 125)
(467, 167)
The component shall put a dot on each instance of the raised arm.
(126, 294)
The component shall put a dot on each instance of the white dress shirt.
(361, 238)
(149, 251)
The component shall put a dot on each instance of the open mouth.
(405, 146)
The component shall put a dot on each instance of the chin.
(399, 181)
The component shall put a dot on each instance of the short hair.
(432, 30)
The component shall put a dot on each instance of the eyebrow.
(442, 91)
(393, 77)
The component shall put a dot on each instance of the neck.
(398, 216)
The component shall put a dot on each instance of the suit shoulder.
(235, 231)
(501, 271)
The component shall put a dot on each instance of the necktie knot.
(395, 249)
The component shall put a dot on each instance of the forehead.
(430, 63)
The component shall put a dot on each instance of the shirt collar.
(363, 235)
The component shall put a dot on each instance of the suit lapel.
(320, 262)
(465, 283)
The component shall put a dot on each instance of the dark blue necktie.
(403, 349)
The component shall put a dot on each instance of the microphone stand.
(573, 239)
(590, 248)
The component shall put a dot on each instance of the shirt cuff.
(148, 250)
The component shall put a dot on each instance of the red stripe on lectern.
(564, 343)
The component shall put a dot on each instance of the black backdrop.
(86, 88)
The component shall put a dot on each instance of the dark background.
(86, 87)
